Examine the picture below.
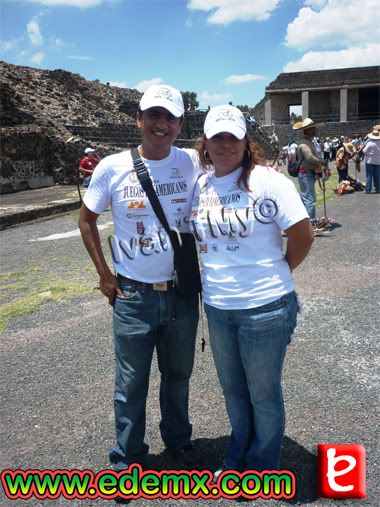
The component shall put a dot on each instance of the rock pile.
(56, 98)
(37, 109)
(48, 117)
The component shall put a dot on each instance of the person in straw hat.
(343, 155)
(372, 161)
(311, 164)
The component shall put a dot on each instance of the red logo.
(341, 471)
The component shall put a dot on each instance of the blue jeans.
(343, 174)
(372, 172)
(86, 181)
(249, 348)
(146, 319)
(307, 187)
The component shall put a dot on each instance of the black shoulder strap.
(146, 183)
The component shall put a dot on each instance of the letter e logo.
(341, 471)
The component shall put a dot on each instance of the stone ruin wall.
(324, 104)
(36, 148)
(30, 158)
(321, 103)
(48, 118)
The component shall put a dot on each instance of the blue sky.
(224, 50)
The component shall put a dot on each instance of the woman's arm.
(300, 238)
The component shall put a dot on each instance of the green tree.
(243, 109)
(190, 99)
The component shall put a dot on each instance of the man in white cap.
(311, 164)
(147, 312)
(87, 165)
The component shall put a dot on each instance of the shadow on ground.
(294, 458)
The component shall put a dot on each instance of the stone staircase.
(128, 135)
(122, 136)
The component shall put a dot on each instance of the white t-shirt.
(141, 249)
(371, 151)
(239, 240)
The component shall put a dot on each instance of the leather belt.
(159, 286)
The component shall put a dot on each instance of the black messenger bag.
(187, 279)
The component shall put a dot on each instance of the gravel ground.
(57, 374)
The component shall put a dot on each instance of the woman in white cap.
(372, 162)
(240, 207)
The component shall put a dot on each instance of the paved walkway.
(57, 372)
(28, 205)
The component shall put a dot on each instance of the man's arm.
(85, 171)
(90, 235)
(300, 238)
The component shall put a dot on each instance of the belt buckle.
(161, 286)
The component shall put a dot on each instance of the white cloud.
(351, 57)
(144, 85)
(37, 58)
(215, 97)
(82, 4)
(8, 45)
(316, 4)
(34, 32)
(58, 42)
(338, 23)
(83, 58)
(228, 11)
(243, 78)
(23, 54)
(119, 84)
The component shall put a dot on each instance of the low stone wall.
(285, 133)
(125, 134)
(30, 158)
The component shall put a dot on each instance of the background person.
(147, 313)
(251, 120)
(327, 149)
(87, 165)
(372, 162)
(240, 207)
(343, 155)
(334, 147)
(311, 166)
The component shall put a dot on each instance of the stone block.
(40, 182)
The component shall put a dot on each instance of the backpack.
(294, 163)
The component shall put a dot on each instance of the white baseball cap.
(163, 96)
(225, 119)
(88, 150)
